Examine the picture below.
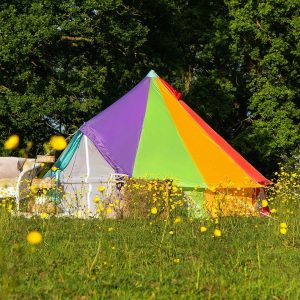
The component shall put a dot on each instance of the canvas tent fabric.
(82, 177)
(151, 133)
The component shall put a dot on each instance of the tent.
(151, 133)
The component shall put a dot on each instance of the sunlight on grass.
(154, 247)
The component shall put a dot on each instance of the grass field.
(132, 259)
(163, 255)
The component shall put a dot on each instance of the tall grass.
(155, 257)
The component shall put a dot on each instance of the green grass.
(81, 259)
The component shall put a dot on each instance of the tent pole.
(87, 171)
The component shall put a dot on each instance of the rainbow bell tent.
(151, 133)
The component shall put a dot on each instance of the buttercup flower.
(177, 220)
(58, 142)
(264, 203)
(283, 230)
(214, 213)
(202, 229)
(12, 142)
(101, 207)
(34, 237)
(101, 189)
(154, 210)
(44, 215)
(96, 199)
(283, 225)
(217, 233)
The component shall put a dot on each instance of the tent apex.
(152, 74)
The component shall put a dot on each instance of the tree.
(61, 62)
(266, 43)
(58, 62)
(236, 62)
(247, 77)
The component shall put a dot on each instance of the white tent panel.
(82, 177)
(77, 166)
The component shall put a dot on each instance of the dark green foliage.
(246, 80)
(236, 62)
(266, 44)
(57, 60)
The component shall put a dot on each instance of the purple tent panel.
(116, 131)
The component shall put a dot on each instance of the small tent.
(151, 133)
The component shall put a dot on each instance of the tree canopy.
(236, 62)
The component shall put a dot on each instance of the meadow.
(157, 250)
(135, 259)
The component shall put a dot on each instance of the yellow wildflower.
(110, 229)
(171, 232)
(214, 213)
(283, 230)
(58, 142)
(54, 168)
(32, 188)
(34, 237)
(101, 207)
(217, 233)
(44, 215)
(101, 189)
(96, 199)
(264, 203)
(177, 220)
(12, 142)
(202, 229)
(108, 210)
(283, 225)
(154, 210)
(273, 210)
(176, 260)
